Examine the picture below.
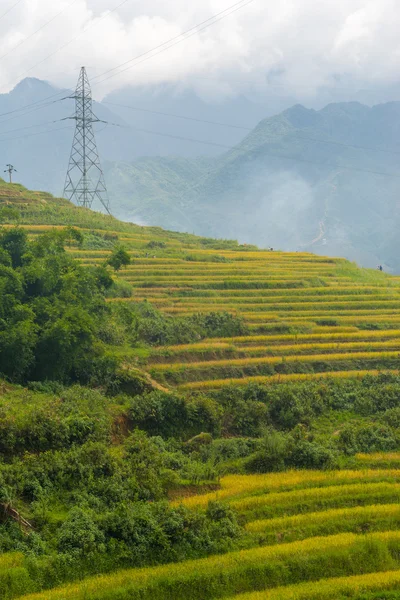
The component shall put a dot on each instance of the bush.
(80, 535)
(272, 455)
(157, 329)
(370, 437)
(119, 258)
(169, 415)
(131, 383)
(304, 454)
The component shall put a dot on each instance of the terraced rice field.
(298, 525)
(308, 316)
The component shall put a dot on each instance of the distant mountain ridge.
(323, 180)
(326, 181)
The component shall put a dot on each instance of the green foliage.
(119, 258)
(51, 309)
(9, 214)
(15, 243)
(79, 535)
(170, 415)
(279, 451)
(156, 244)
(155, 328)
(370, 437)
(95, 240)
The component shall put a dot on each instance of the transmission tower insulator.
(85, 179)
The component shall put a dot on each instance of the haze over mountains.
(323, 180)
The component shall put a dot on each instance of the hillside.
(209, 421)
(324, 180)
(303, 180)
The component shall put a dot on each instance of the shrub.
(169, 415)
(272, 455)
(80, 535)
(370, 437)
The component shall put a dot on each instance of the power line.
(30, 126)
(10, 9)
(92, 24)
(242, 127)
(38, 30)
(156, 112)
(20, 137)
(370, 148)
(238, 5)
(270, 154)
(170, 135)
(176, 40)
(42, 104)
(214, 19)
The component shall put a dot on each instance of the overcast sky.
(308, 49)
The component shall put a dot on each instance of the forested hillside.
(325, 181)
(166, 398)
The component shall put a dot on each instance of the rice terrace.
(196, 419)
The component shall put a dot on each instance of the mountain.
(324, 180)
(38, 142)
(175, 115)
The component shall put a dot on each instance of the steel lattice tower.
(85, 179)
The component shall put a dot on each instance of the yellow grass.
(378, 457)
(329, 589)
(309, 499)
(142, 578)
(241, 486)
(10, 560)
(274, 360)
(297, 522)
(219, 383)
(299, 337)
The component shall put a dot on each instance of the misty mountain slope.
(324, 180)
(159, 186)
(290, 184)
(38, 143)
(172, 110)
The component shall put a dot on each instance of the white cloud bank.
(291, 47)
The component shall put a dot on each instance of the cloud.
(299, 48)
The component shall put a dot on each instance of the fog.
(304, 50)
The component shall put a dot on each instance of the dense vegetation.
(171, 399)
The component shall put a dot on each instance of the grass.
(356, 519)
(236, 487)
(273, 360)
(221, 576)
(279, 379)
(337, 588)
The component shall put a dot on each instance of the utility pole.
(85, 179)
(10, 170)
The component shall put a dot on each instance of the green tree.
(80, 535)
(119, 258)
(15, 242)
(9, 214)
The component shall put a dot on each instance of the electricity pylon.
(85, 179)
(10, 170)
